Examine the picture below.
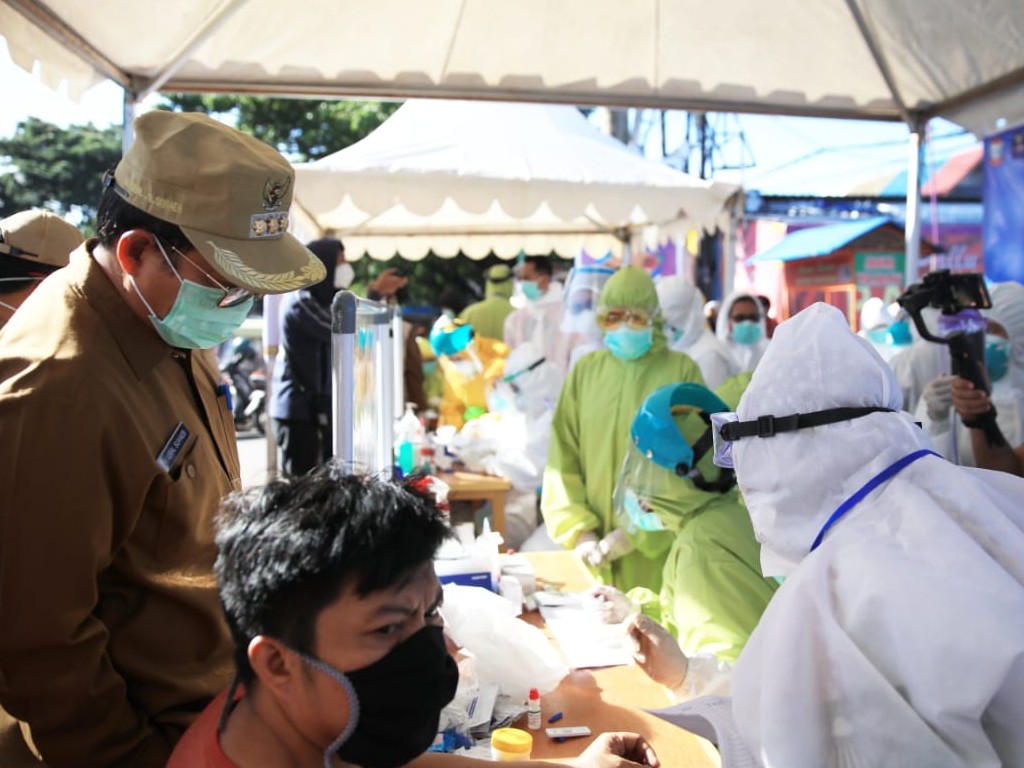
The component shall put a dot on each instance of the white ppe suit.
(682, 306)
(900, 640)
(539, 322)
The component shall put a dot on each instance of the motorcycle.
(243, 375)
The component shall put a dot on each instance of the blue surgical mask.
(530, 289)
(997, 356)
(746, 332)
(640, 518)
(195, 321)
(629, 344)
(899, 333)
(879, 335)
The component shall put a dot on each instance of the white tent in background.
(890, 59)
(477, 177)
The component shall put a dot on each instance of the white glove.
(609, 603)
(938, 397)
(657, 653)
(587, 549)
(615, 545)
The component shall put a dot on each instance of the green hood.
(632, 288)
(499, 282)
(629, 287)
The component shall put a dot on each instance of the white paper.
(481, 707)
(711, 718)
(585, 640)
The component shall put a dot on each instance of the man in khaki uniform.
(117, 444)
(32, 245)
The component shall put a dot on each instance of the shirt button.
(190, 470)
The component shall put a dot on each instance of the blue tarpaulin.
(1003, 222)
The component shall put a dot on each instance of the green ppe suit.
(487, 317)
(590, 434)
(712, 593)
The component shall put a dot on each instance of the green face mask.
(195, 321)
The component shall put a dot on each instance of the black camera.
(958, 297)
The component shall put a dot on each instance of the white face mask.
(343, 275)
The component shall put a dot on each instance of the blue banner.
(1003, 195)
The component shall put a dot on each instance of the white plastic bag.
(507, 651)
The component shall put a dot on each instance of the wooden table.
(609, 699)
(469, 486)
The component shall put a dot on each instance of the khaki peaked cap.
(227, 191)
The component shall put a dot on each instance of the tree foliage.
(301, 129)
(59, 169)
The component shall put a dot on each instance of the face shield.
(582, 289)
(449, 337)
(660, 458)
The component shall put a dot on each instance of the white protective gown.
(682, 306)
(526, 417)
(747, 355)
(900, 640)
(921, 362)
(539, 322)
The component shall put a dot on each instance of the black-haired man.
(329, 589)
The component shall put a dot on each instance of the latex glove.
(587, 549)
(615, 545)
(610, 604)
(657, 653)
(617, 750)
(938, 397)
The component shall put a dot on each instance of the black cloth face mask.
(395, 703)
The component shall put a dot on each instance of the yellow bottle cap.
(513, 740)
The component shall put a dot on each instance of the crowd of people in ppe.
(812, 521)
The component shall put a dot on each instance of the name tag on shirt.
(168, 454)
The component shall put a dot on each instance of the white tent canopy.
(477, 177)
(889, 59)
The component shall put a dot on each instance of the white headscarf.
(747, 355)
(900, 640)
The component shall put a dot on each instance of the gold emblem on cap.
(274, 193)
(232, 265)
(267, 225)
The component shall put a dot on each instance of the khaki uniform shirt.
(111, 633)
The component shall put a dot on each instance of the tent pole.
(127, 118)
(912, 229)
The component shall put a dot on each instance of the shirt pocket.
(185, 508)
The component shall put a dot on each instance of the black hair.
(18, 272)
(115, 216)
(286, 550)
(748, 297)
(326, 249)
(541, 264)
(453, 299)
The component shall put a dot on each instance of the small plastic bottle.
(509, 745)
(533, 710)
